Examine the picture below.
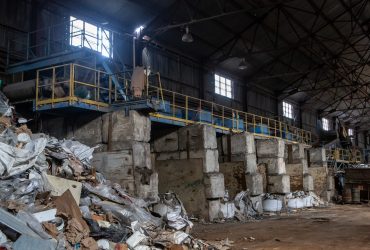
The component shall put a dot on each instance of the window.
(223, 86)
(325, 124)
(350, 132)
(86, 35)
(287, 110)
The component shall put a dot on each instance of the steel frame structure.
(335, 65)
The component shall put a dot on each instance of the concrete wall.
(320, 175)
(234, 175)
(295, 171)
(270, 152)
(195, 142)
(185, 178)
(123, 154)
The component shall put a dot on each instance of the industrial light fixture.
(187, 37)
(242, 65)
(139, 29)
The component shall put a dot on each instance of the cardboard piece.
(66, 204)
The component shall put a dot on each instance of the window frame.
(325, 124)
(223, 86)
(288, 110)
(94, 37)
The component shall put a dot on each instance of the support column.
(129, 160)
(324, 182)
(300, 156)
(243, 148)
(185, 145)
(271, 153)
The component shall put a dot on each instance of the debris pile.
(248, 207)
(52, 198)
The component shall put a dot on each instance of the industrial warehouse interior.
(184, 124)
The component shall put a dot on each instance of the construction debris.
(52, 198)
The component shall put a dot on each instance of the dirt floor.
(336, 227)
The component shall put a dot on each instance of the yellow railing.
(344, 155)
(187, 109)
(74, 83)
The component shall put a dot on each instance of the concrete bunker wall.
(123, 153)
(191, 151)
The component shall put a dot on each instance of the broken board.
(60, 185)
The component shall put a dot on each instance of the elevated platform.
(47, 61)
(65, 105)
(73, 87)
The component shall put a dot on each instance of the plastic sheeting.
(130, 213)
(81, 151)
(15, 160)
(244, 203)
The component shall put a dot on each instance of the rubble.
(53, 198)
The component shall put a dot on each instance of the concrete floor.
(336, 227)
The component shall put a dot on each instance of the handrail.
(71, 81)
(67, 78)
(344, 155)
(220, 116)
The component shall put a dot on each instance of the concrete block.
(254, 183)
(214, 185)
(167, 156)
(257, 203)
(87, 129)
(298, 152)
(210, 161)
(317, 155)
(167, 143)
(242, 144)
(330, 183)
(209, 156)
(135, 127)
(279, 184)
(209, 137)
(308, 184)
(115, 166)
(274, 165)
(148, 191)
(214, 207)
(141, 154)
(250, 163)
(304, 166)
(270, 148)
(197, 137)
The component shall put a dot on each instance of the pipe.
(20, 90)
